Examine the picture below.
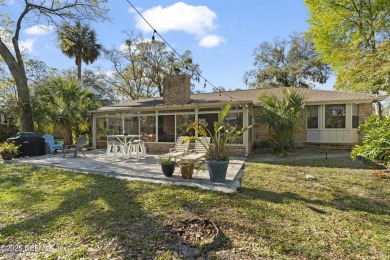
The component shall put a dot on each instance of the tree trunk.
(68, 134)
(19, 75)
(79, 69)
(24, 105)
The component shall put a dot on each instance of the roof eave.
(160, 107)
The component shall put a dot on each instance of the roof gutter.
(161, 107)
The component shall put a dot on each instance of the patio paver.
(146, 169)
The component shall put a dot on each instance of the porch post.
(245, 122)
(94, 132)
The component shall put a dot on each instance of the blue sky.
(221, 35)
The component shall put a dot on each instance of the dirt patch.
(197, 237)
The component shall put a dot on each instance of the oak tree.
(286, 63)
(46, 13)
(140, 65)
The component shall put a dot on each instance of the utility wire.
(167, 43)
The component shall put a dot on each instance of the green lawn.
(277, 213)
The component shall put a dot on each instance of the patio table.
(124, 140)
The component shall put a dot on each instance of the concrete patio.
(146, 169)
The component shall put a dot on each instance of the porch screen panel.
(132, 125)
(182, 121)
(209, 119)
(166, 128)
(148, 127)
(114, 126)
(101, 129)
(335, 116)
(235, 120)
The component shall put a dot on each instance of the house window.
(355, 116)
(312, 117)
(335, 116)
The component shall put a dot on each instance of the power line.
(167, 43)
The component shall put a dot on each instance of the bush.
(8, 150)
(376, 140)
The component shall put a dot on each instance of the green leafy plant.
(282, 115)
(223, 134)
(166, 161)
(376, 140)
(8, 150)
(192, 163)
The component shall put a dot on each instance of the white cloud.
(211, 41)
(132, 11)
(194, 20)
(123, 48)
(27, 45)
(38, 29)
(5, 37)
(10, 2)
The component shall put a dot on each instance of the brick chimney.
(177, 89)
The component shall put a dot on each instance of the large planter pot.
(168, 169)
(186, 170)
(217, 170)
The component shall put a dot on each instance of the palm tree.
(68, 105)
(282, 115)
(79, 41)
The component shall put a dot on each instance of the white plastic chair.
(113, 148)
(180, 149)
(136, 149)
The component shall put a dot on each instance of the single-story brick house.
(332, 118)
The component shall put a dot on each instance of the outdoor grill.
(30, 144)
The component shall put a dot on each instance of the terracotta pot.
(186, 170)
(144, 138)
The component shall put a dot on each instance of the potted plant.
(167, 166)
(187, 168)
(217, 155)
(8, 150)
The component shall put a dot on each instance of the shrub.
(376, 140)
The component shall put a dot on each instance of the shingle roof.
(312, 96)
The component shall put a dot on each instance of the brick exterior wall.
(262, 133)
(161, 148)
(177, 89)
(365, 110)
(158, 148)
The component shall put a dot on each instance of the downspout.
(377, 107)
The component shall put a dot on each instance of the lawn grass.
(277, 213)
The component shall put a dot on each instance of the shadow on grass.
(341, 201)
(335, 160)
(95, 209)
